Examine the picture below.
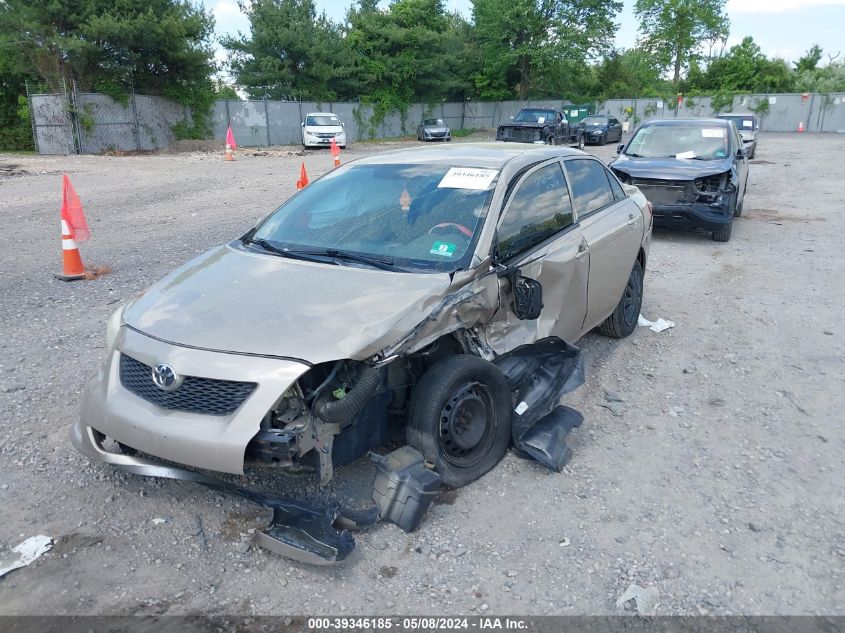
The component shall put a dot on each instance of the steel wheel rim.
(466, 430)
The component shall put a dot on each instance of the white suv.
(319, 128)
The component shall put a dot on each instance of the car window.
(618, 192)
(425, 217)
(538, 209)
(590, 185)
(322, 119)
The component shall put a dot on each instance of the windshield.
(679, 141)
(534, 116)
(322, 119)
(743, 123)
(433, 122)
(595, 120)
(420, 217)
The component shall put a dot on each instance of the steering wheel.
(452, 225)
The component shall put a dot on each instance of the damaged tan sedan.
(421, 288)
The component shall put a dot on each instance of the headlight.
(113, 326)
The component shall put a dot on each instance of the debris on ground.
(23, 554)
(655, 326)
(642, 599)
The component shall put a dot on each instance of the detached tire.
(460, 418)
(624, 319)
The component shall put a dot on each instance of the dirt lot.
(720, 482)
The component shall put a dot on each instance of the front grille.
(664, 191)
(325, 134)
(521, 134)
(206, 396)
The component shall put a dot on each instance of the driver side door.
(537, 235)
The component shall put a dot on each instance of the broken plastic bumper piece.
(308, 532)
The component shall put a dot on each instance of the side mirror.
(303, 124)
(527, 297)
(511, 118)
(740, 153)
(620, 147)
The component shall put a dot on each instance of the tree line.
(408, 51)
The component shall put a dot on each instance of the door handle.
(632, 221)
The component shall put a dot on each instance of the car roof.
(320, 113)
(727, 114)
(702, 122)
(490, 155)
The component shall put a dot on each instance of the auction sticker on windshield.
(709, 132)
(468, 178)
(444, 249)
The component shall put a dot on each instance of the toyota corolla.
(381, 294)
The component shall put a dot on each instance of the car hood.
(525, 124)
(243, 302)
(335, 129)
(670, 168)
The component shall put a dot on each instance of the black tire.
(740, 203)
(460, 418)
(604, 139)
(343, 147)
(724, 233)
(582, 142)
(624, 319)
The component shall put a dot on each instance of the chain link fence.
(90, 123)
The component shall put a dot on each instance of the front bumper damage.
(307, 532)
(706, 203)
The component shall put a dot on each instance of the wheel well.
(641, 258)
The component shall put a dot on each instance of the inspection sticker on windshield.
(711, 132)
(444, 249)
(747, 123)
(467, 178)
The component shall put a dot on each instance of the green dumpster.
(576, 112)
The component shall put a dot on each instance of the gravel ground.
(718, 480)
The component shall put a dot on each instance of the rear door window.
(590, 185)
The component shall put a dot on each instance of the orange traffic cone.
(72, 268)
(231, 145)
(336, 153)
(801, 126)
(303, 178)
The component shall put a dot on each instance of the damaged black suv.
(693, 171)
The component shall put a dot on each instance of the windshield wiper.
(383, 263)
(281, 252)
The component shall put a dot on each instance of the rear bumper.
(699, 216)
(212, 442)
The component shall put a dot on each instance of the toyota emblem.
(165, 377)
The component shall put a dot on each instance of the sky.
(782, 28)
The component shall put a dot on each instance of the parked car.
(748, 127)
(600, 129)
(693, 171)
(537, 125)
(433, 130)
(319, 128)
(378, 294)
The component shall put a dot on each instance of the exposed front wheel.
(623, 321)
(460, 418)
